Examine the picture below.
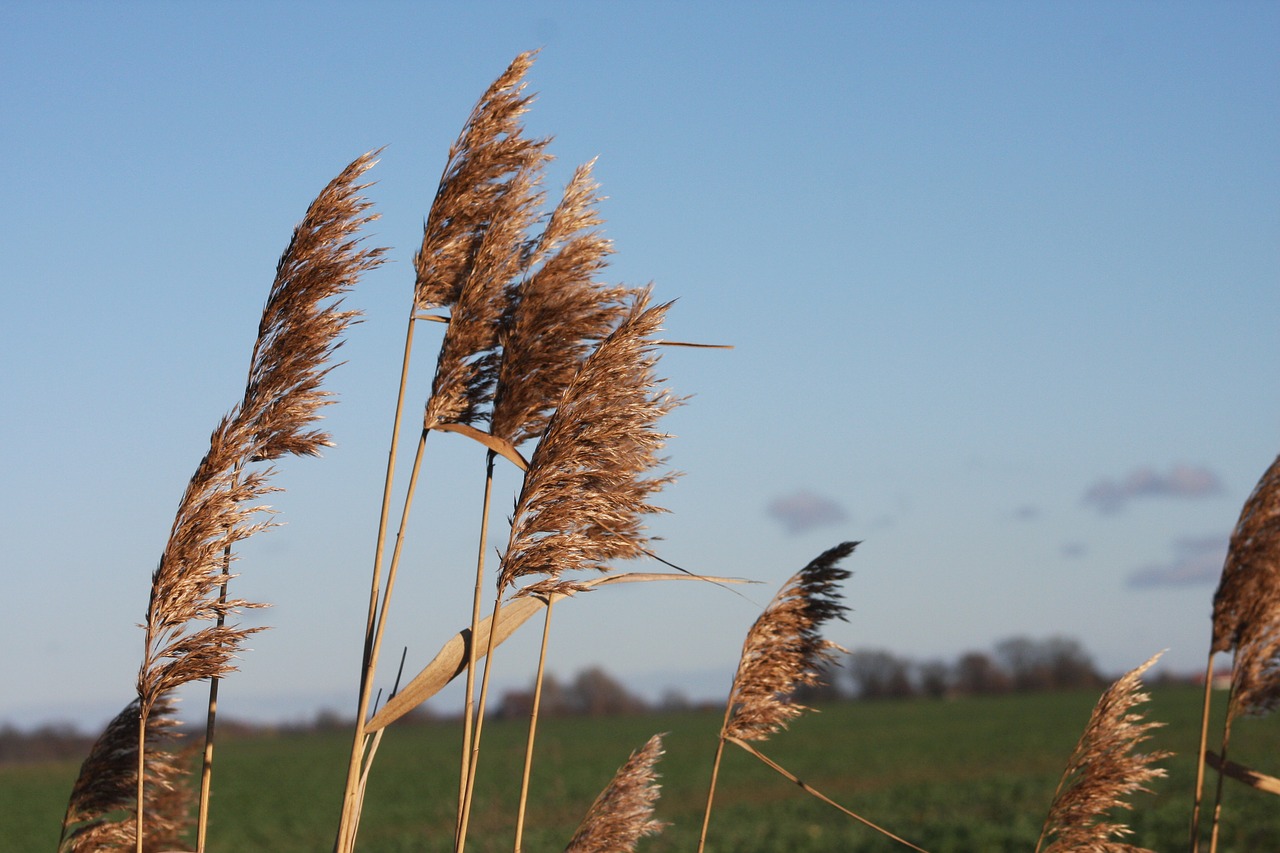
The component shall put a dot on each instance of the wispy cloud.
(1074, 550)
(1195, 561)
(805, 510)
(1182, 481)
(1026, 512)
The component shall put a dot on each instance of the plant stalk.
(1226, 739)
(808, 789)
(472, 652)
(460, 842)
(1200, 758)
(350, 790)
(533, 727)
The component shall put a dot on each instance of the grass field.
(966, 775)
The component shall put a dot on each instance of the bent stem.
(809, 789)
(350, 791)
(533, 727)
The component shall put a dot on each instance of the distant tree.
(878, 674)
(976, 673)
(596, 694)
(934, 678)
(1056, 663)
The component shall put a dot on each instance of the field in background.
(974, 774)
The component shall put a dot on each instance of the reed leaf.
(451, 660)
(623, 813)
(1103, 771)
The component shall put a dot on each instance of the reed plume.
(584, 497)
(556, 315)
(298, 333)
(623, 813)
(1246, 606)
(785, 649)
(467, 367)
(1246, 621)
(1103, 771)
(488, 152)
(100, 812)
(586, 491)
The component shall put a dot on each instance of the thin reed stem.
(142, 777)
(533, 727)
(472, 652)
(1200, 755)
(369, 661)
(809, 789)
(211, 717)
(460, 842)
(1217, 797)
(711, 791)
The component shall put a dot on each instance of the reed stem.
(460, 842)
(1200, 755)
(350, 791)
(711, 792)
(472, 652)
(809, 789)
(142, 771)
(533, 727)
(1217, 797)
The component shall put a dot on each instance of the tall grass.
(534, 349)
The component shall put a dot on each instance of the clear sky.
(1001, 279)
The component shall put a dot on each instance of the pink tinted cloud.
(1195, 561)
(1182, 481)
(805, 510)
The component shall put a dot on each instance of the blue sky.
(1001, 280)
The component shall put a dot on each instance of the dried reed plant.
(784, 650)
(584, 496)
(103, 801)
(473, 242)
(552, 318)
(186, 636)
(1103, 771)
(623, 813)
(1246, 621)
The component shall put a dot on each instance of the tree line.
(1014, 665)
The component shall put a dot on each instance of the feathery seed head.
(1103, 771)
(784, 648)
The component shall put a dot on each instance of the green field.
(966, 775)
